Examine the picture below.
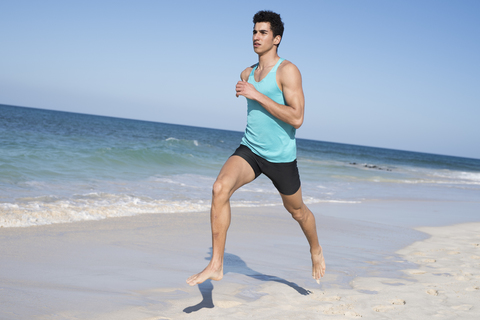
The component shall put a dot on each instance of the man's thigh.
(293, 202)
(235, 173)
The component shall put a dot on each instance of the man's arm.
(245, 74)
(290, 81)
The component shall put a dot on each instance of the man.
(273, 88)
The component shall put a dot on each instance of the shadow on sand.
(233, 263)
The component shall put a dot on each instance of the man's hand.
(246, 89)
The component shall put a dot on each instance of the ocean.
(61, 167)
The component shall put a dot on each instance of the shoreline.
(135, 267)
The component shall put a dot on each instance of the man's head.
(273, 18)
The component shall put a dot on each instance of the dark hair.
(275, 21)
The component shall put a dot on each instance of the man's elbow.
(297, 123)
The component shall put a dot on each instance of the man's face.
(263, 39)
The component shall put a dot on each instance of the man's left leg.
(300, 212)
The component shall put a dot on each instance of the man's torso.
(265, 135)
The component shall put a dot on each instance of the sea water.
(60, 167)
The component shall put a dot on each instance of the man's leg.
(235, 173)
(300, 212)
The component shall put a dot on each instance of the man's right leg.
(235, 173)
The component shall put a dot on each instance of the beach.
(135, 267)
(105, 218)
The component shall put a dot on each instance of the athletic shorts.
(285, 176)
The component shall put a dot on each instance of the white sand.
(135, 268)
(445, 284)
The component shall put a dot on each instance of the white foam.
(195, 142)
(93, 206)
(459, 177)
(97, 206)
(310, 200)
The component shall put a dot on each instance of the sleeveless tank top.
(267, 136)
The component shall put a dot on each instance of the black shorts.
(285, 176)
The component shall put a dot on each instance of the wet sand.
(135, 267)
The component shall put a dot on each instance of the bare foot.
(318, 265)
(208, 273)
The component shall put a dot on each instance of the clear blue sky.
(395, 74)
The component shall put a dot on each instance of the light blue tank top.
(267, 136)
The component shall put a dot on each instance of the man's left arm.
(290, 81)
(291, 85)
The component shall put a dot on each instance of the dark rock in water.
(371, 166)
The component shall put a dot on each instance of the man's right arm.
(245, 74)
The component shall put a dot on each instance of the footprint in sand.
(324, 297)
(464, 277)
(463, 307)
(472, 288)
(334, 298)
(227, 304)
(445, 274)
(432, 292)
(476, 244)
(341, 309)
(418, 253)
(427, 261)
(398, 302)
(453, 252)
(475, 257)
(353, 314)
(416, 272)
(393, 283)
(383, 308)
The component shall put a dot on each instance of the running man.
(273, 88)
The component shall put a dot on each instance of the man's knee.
(298, 212)
(220, 189)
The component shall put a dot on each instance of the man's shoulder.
(287, 67)
(246, 73)
(288, 73)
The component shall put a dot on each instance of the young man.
(273, 88)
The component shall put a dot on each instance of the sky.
(393, 74)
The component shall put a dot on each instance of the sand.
(135, 268)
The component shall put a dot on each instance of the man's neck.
(268, 59)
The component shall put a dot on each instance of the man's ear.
(277, 39)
